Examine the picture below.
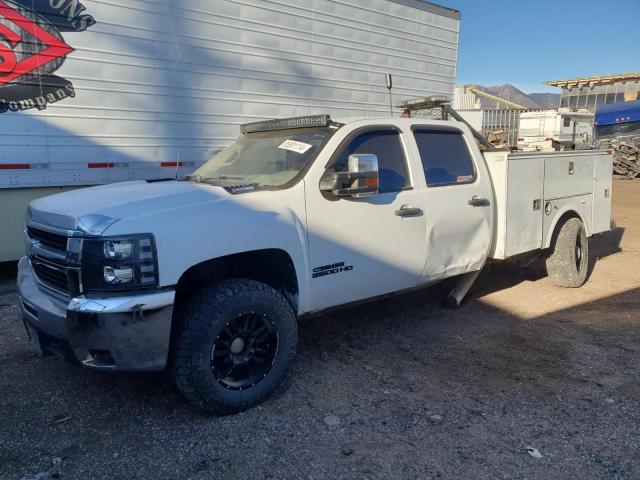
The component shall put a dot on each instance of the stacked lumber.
(626, 158)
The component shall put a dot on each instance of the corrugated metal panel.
(169, 81)
(503, 119)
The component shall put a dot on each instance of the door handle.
(408, 211)
(477, 201)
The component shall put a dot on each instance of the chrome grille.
(52, 240)
(53, 265)
(51, 274)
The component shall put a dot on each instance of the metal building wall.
(161, 85)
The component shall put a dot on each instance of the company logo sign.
(32, 49)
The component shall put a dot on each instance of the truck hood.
(94, 209)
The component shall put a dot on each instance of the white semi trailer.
(100, 92)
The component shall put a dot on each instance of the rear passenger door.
(459, 210)
(367, 246)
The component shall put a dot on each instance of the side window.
(392, 163)
(567, 121)
(445, 157)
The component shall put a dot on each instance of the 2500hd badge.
(331, 269)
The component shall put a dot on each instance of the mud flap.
(461, 288)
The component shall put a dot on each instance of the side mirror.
(360, 180)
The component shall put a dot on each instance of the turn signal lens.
(372, 182)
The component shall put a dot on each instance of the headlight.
(118, 275)
(119, 263)
(118, 249)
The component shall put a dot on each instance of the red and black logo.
(32, 48)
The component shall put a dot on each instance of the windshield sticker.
(464, 178)
(294, 146)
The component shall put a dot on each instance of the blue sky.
(525, 42)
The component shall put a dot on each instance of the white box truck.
(205, 276)
(99, 92)
(555, 130)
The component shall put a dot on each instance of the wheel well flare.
(273, 267)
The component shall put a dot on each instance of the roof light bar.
(286, 123)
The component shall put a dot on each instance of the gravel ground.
(397, 388)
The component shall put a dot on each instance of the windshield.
(269, 159)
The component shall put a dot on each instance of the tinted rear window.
(445, 157)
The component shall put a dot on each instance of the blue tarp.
(620, 112)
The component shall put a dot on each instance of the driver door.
(367, 246)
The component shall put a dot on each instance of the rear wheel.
(237, 341)
(568, 261)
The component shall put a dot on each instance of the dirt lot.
(419, 391)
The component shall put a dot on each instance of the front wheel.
(568, 261)
(237, 341)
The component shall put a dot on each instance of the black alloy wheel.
(236, 340)
(244, 351)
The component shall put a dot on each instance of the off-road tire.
(208, 312)
(568, 260)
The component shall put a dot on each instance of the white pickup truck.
(205, 277)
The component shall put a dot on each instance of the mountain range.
(512, 94)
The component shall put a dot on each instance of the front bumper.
(123, 333)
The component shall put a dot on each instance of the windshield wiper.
(196, 177)
(220, 177)
(226, 177)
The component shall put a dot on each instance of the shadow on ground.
(420, 391)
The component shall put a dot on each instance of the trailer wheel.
(568, 261)
(238, 339)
